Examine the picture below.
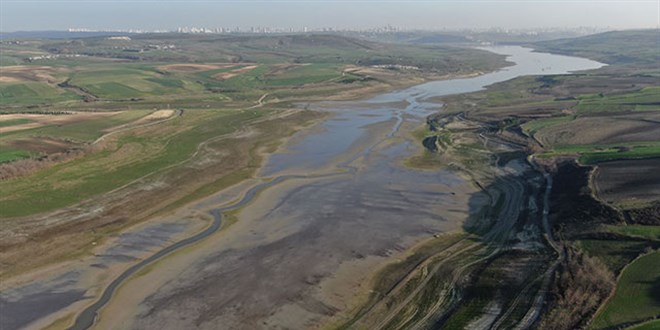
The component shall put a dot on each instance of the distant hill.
(640, 47)
(57, 34)
(294, 48)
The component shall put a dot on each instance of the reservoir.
(334, 205)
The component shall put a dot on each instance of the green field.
(637, 294)
(129, 82)
(308, 74)
(646, 99)
(531, 127)
(32, 93)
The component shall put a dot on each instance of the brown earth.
(589, 130)
(39, 120)
(281, 68)
(41, 145)
(234, 73)
(18, 73)
(187, 67)
(629, 182)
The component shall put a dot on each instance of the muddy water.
(351, 206)
(301, 250)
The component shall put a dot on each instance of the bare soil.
(589, 130)
(628, 181)
(234, 73)
(187, 67)
(41, 145)
(18, 73)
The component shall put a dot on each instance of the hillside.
(633, 47)
(296, 48)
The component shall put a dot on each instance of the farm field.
(130, 158)
(628, 182)
(27, 93)
(42, 134)
(636, 296)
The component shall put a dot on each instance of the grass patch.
(307, 74)
(647, 96)
(8, 155)
(531, 127)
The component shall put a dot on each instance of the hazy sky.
(170, 14)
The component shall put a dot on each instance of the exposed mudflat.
(294, 238)
(302, 253)
(30, 302)
(305, 248)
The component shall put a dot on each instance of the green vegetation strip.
(652, 232)
(646, 97)
(592, 154)
(652, 325)
(12, 155)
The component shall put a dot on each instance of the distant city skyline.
(150, 15)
